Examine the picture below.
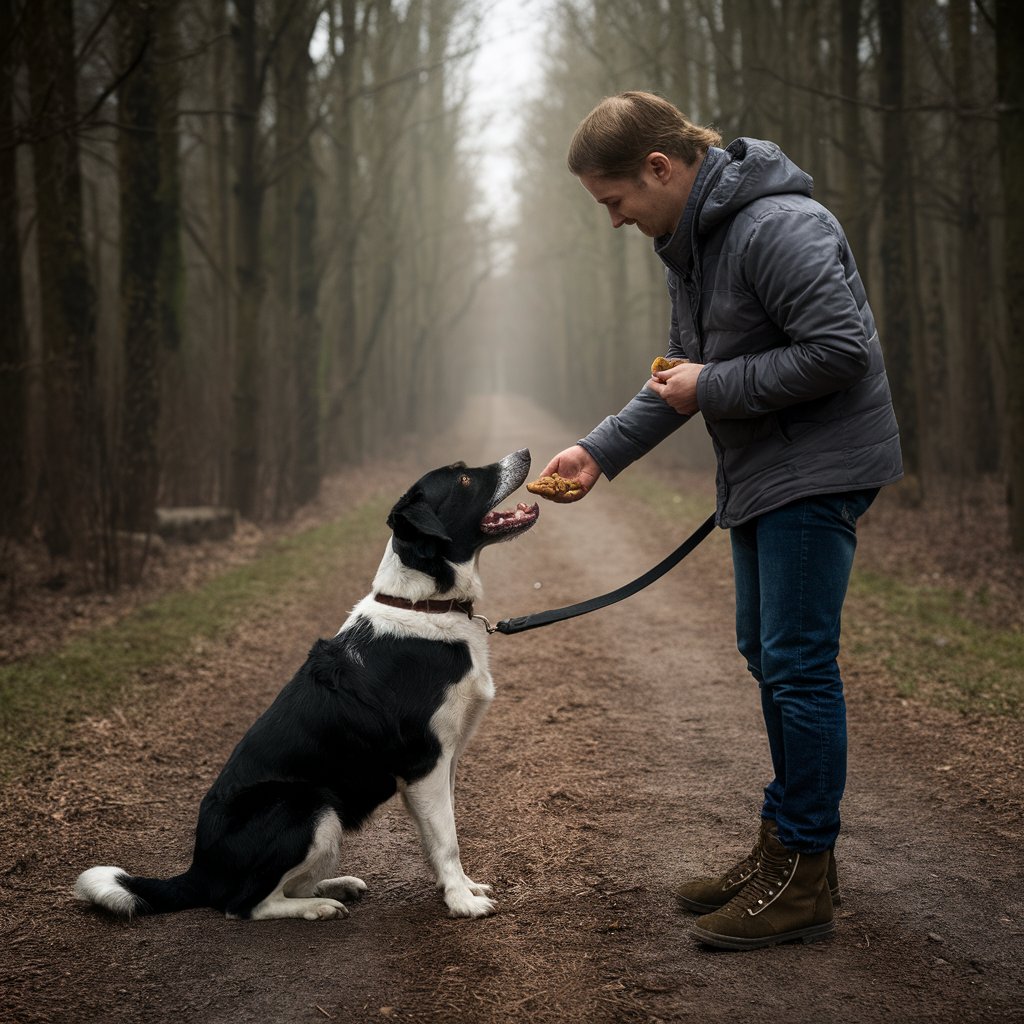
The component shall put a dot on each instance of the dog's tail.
(126, 896)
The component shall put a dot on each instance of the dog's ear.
(412, 519)
(418, 538)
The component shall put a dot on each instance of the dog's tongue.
(500, 520)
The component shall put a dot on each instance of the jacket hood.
(727, 181)
(755, 168)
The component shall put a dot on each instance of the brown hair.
(613, 140)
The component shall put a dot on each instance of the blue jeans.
(792, 568)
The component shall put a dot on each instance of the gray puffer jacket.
(766, 294)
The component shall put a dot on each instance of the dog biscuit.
(661, 363)
(557, 488)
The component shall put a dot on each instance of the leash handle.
(522, 623)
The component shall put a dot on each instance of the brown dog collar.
(430, 605)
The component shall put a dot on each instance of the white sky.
(504, 75)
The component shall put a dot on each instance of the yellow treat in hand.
(557, 488)
(661, 363)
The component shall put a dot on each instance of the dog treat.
(661, 363)
(557, 488)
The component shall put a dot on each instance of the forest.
(244, 243)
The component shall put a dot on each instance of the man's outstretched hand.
(575, 463)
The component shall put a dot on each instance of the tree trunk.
(139, 177)
(73, 427)
(222, 214)
(307, 469)
(972, 357)
(1010, 75)
(171, 291)
(245, 451)
(345, 344)
(853, 207)
(280, 394)
(297, 345)
(13, 347)
(761, 100)
(896, 213)
(728, 84)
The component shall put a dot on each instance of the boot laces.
(749, 865)
(772, 875)
(744, 870)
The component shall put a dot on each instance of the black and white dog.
(386, 706)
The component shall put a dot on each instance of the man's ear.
(659, 165)
(413, 519)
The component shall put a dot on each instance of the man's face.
(645, 201)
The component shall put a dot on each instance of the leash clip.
(486, 622)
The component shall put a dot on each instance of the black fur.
(338, 736)
(354, 720)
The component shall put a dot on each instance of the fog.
(251, 242)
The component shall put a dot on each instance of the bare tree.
(184, 225)
(13, 342)
(296, 354)
(897, 213)
(167, 57)
(248, 191)
(972, 360)
(139, 165)
(74, 437)
(1009, 43)
(852, 206)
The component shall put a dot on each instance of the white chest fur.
(466, 701)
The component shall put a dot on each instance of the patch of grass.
(928, 643)
(41, 697)
(931, 648)
(668, 502)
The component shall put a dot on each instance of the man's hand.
(678, 387)
(575, 463)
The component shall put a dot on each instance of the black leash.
(537, 619)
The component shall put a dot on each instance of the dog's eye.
(464, 480)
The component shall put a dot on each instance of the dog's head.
(447, 516)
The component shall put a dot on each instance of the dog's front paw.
(477, 888)
(466, 903)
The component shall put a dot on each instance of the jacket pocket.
(739, 433)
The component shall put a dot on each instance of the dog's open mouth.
(509, 521)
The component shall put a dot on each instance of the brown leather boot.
(786, 899)
(703, 895)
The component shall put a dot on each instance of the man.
(784, 363)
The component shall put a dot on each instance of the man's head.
(614, 139)
(638, 155)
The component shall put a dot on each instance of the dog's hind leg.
(298, 893)
(346, 888)
(276, 906)
(429, 801)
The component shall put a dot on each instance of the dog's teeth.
(497, 520)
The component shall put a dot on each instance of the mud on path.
(623, 751)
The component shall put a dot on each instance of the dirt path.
(623, 751)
